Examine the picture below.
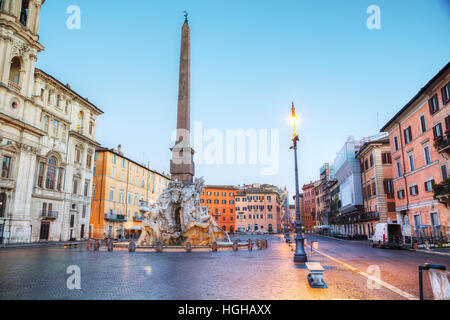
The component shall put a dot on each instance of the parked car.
(387, 235)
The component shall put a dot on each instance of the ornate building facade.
(47, 139)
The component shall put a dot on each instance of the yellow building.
(122, 190)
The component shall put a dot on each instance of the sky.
(249, 61)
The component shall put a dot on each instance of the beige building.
(123, 190)
(258, 209)
(47, 139)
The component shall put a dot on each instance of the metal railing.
(115, 217)
(49, 214)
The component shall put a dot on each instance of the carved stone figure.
(178, 218)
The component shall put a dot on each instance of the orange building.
(377, 187)
(221, 203)
(122, 191)
(309, 201)
(415, 133)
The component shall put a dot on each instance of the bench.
(315, 276)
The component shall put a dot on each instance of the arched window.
(51, 174)
(14, 73)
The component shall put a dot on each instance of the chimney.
(119, 149)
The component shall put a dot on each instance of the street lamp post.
(286, 216)
(300, 254)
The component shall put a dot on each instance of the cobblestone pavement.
(40, 273)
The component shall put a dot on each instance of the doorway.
(2, 204)
(45, 230)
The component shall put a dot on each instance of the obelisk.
(182, 164)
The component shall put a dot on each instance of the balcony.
(7, 183)
(367, 216)
(115, 217)
(442, 191)
(138, 218)
(49, 215)
(14, 86)
(443, 144)
(144, 206)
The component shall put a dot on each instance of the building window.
(414, 190)
(386, 158)
(91, 128)
(51, 174)
(86, 188)
(75, 186)
(60, 179)
(6, 167)
(77, 155)
(388, 187)
(437, 131)
(396, 143)
(371, 161)
(89, 160)
(427, 156)
(433, 104)
(40, 182)
(401, 194)
(114, 159)
(111, 194)
(399, 169)
(46, 121)
(411, 162)
(423, 123)
(445, 91)
(408, 135)
(444, 172)
(83, 214)
(429, 185)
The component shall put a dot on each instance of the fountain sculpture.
(178, 218)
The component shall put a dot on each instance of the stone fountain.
(177, 218)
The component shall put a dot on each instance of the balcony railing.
(442, 191)
(367, 216)
(115, 217)
(7, 183)
(138, 218)
(14, 86)
(443, 144)
(49, 215)
(144, 206)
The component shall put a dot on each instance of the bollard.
(427, 266)
(264, 243)
(96, 245)
(235, 246)
(214, 246)
(250, 245)
(159, 246)
(110, 245)
(88, 245)
(188, 247)
(131, 246)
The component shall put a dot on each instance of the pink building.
(416, 133)
(258, 209)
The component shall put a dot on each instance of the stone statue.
(178, 218)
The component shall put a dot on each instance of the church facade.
(47, 139)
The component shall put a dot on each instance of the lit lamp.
(300, 254)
